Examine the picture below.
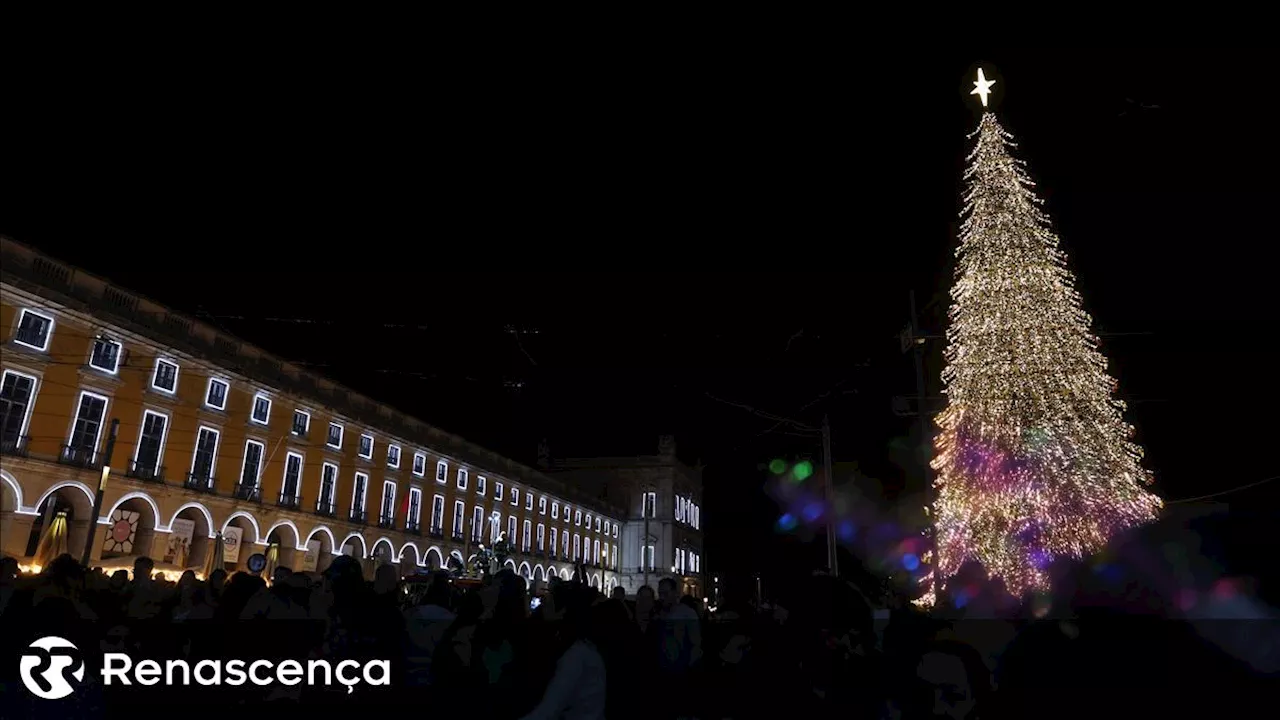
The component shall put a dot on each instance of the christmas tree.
(1034, 458)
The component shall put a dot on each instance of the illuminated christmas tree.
(1034, 458)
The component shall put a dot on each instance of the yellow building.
(217, 436)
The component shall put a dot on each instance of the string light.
(1034, 459)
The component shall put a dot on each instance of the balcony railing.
(145, 471)
(15, 445)
(457, 536)
(200, 482)
(437, 533)
(83, 457)
(289, 501)
(357, 516)
(386, 522)
(413, 527)
(248, 493)
(325, 508)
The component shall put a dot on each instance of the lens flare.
(802, 471)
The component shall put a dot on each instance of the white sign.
(178, 550)
(311, 558)
(231, 538)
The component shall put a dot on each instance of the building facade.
(216, 436)
(662, 497)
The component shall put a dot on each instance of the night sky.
(596, 253)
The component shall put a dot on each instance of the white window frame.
(417, 515)
(511, 531)
(434, 500)
(528, 501)
(649, 504)
(526, 536)
(496, 530)
(515, 496)
(555, 535)
(35, 389)
(257, 472)
(195, 453)
(595, 552)
(613, 556)
(588, 518)
(477, 523)
(164, 436)
(284, 476)
(499, 488)
(253, 409)
(607, 525)
(342, 431)
(385, 485)
(390, 447)
(155, 374)
(419, 464)
(577, 547)
(119, 351)
(542, 505)
(577, 517)
(306, 426)
(208, 392)
(482, 485)
(360, 447)
(48, 336)
(442, 472)
(364, 498)
(459, 518)
(542, 537)
(649, 549)
(333, 492)
(462, 478)
(555, 510)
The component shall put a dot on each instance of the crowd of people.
(491, 650)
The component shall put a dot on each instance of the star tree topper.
(982, 87)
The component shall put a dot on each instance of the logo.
(49, 666)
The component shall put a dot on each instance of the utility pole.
(912, 339)
(102, 488)
(833, 561)
(918, 347)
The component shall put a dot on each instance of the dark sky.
(677, 235)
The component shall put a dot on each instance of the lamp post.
(102, 488)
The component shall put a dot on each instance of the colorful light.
(1034, 458)
(846, 530)
(802, 471)
(777, 466)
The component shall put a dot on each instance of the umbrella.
(53, 543)
(215, 558)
